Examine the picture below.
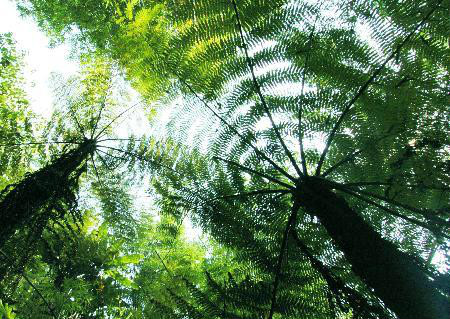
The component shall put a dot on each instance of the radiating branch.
(137, 156)
(118, 139)
(251, 170)
(115, 119)
(74, 116)
(300, 109)
(96, 173)
(102, 106)
(365, 86)
(435, 231)
(163, 263)
(351, 156)
(358, 184)
(280, 193)
(346, 159)
(335, 284)
(98, 151)
(235, 131)
(49, 307)
(290, 223)
(258, 192)
(257, 87)
(41, 143)
(426, 214)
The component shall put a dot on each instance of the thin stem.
(118, 139)
(113, 156)
(355, 153)
(250, 170)
(280, 193)
(358, 184)
(234, 130)
(391, 184)
(335, 284)
(300, 114)
(258, 89)
(300, 110)
(346, 159)
(258, 192)
(426, 214)
(72, 113)
(114, 119)
(291, 221)
(100, 112)
(392, 212)
(365, 86)
(39, 143)
(50, 308)
(97, 151)
(135, 156)
(163, 263)
(96, 172)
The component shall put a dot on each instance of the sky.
(40, 59)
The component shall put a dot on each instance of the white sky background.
(40, 60)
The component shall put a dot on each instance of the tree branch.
(100, 112)
(258, 89)
(257, 151)
(163, 263)
(114, 119)
(300, 110)
(358, 184)
(50, 308)
(258, 192)
(118, 139)
(355, 153)
(247, 169)
(392, 212)
(335, 284)
(290, 223)
(40, 143)
(135, 156)
(426, 214)
(364, 87)
(74, 116)
(96, 173)
(346, 159)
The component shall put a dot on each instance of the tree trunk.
(22, 201)
(395, 276)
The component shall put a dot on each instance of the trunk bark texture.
(22, 201)
(395, 276)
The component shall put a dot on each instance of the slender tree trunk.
(22, 201)
(395, 276)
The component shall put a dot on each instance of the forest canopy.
(308, 142)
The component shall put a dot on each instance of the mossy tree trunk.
(21, 203)
(396, 277)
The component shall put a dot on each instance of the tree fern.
(339, 107)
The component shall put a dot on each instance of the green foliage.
(310, 141)
(6, 311)
(15, 116)
(49, 195)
